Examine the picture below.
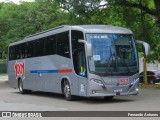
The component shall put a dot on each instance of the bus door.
(79, 62)
(82, 72)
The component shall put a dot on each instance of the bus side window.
(29, 49)
(17, 52)
(11, 53)
(39, 47)
(50, 45)
(63, 48)
(22, 48)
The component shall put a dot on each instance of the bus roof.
(102, 29)
(83, 28)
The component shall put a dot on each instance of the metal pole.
(145, 70)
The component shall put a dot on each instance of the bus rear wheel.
(20, 87)
(67, 91)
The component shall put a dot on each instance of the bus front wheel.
(108, 97)
(67, 91)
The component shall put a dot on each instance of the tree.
(19, 21)
(141, 16)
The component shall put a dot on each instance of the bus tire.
(20, 87)
(108, 97)
(67, 91)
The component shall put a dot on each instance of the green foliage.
(18, 21)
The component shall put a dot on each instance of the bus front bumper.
(96, 90)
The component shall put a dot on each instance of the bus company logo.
(19, 69)
(124, 80)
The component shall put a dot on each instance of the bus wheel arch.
(62, 85)
(18, 81)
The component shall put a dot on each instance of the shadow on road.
(102, 100)
(98, 100)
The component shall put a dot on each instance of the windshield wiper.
(125, 51)
(129, 72)
(110, 61)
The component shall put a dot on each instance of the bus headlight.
(97, 81)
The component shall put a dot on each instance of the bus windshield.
(113, 54)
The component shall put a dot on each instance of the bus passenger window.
(63, 48)
(50, 45)
(39, 47)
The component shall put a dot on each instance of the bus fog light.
(97, 81)
(137, 89)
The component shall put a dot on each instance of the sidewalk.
(3, 78)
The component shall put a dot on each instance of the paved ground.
(11, 100)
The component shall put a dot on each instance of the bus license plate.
(117, 90)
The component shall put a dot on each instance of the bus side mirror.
(88, 47)
(146, 47)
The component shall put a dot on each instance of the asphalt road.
(12, 100)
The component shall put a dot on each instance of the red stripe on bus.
(65, 71)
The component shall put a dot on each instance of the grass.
(3, 74)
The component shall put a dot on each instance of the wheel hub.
(67, 90)
(20, 86)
